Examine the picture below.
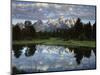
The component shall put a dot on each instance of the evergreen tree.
(88, 31)
(16, 32)
(94, 31)
(78, 29)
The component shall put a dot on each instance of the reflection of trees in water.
(30, 50)
(16, 71)
(94, 50)
(81, 52)
(17, 50)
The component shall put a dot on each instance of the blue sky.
(34, 11)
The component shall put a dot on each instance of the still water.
(45, 58)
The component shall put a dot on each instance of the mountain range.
(52, 24)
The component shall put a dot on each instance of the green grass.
(56, 41)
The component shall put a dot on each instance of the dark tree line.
(26, 32)
(79, 31)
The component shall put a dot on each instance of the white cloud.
(40, 9)
(57, 6)
(41, 4)
(70, 9)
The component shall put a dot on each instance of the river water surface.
(46, 58)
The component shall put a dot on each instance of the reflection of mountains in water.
(79, 53)
(22, 49)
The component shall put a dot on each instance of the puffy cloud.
(41, 4)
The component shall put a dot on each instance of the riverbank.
(54, 41)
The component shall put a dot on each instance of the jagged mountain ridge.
(52, 25)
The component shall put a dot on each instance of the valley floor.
(55, 41)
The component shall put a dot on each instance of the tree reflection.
(94, 50)
(78, 55)
(30, 50)
(16, 71)
(17, 50)
(81, 52)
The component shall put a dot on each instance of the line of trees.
(26, 33)
(79, 31)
